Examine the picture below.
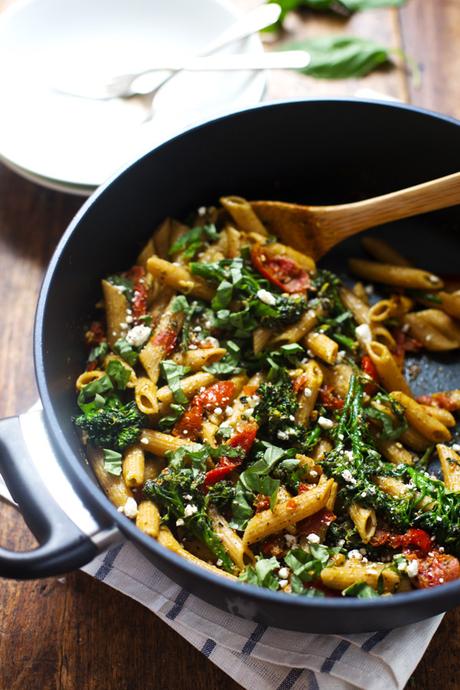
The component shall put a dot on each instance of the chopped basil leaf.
(112, 461)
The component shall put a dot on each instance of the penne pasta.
(243, 215)
(389, 374)
(427, 425)
(449, 460)
(400, 276)
(148, 518)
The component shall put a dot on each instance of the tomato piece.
(139, 302)
(166, 340)
(317, 523)
(274, 546)
(261, 503)
(218, 473)
(245, 438)
(303, 488)
(189, 425)
(280, 270)
(436, 569)
(330, 399)
(417, 538)
(369, 368)
(404, 343)
(300, 382)
(95, 334)
(438, 400)
(217, 395)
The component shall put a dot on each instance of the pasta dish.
(254, 413)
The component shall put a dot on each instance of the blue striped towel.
(267, 658)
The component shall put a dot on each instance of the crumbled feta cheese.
(282, 435)
(406, 328)
(456, 447)
(130, 508)
(283, 583)
(313, 473)
(313, 538)
(138, 335)
(190, 510)
(363, 334)
(266, 297)
(144, 440)
(210, 342)
(412, 567)
(354, 553)
(197, 329)
(228, 410)
(180, 522)
(307, 392)
(218, 410)
(188, 497)
(341, 542)
(291, 540)
(340, 355)
(202, 211)
(369, 289)
(192, 346)
(219, 562)
(347, 475)
(433, 279)
(283, 573)
(348, 454)
(325, 423)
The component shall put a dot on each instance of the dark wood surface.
(75, 633)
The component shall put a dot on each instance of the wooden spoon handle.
(349, 219)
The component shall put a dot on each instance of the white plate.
(75, 144)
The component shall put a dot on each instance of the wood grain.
(77, 633)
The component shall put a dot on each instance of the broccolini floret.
(288, 310)
(115, 426)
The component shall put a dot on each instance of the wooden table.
(75, 633)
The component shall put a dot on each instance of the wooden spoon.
(316, 229)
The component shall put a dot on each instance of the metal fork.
(149, 81)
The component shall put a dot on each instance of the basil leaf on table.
(341, 57)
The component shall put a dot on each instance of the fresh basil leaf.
(92, 396)
(125, 285)
(195, 453)
(173, 374)
(341, 57)
(98, 352)
(124, 349)
(112, 461)
(118, 374)
(223, 296)
(264, 570)
(242, 512)
(361, 590)
(192, 240)
(179, 303)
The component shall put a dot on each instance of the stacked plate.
(72, 143)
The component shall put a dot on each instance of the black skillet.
(327, 151)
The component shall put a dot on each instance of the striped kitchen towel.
(268, 658)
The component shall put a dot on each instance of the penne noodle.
(427, 425)
(354, 571)
(159, 444)
(233, 544)
(116, 306)
(145, 395)
(294, 333)
(199, 358)
(179, 278)
(287, 513)
(395, 307)
(436, 330)
(132, 374)
(232, 241)
(383, 252)
(364, 520)
(161, 341)
(400, 276)
(243, 214)
(133, 466)
(309, 384)
(260, 338)
(444, 416)
(148, 518)
(166, 538)
(322, 346)
(114, 486)
(358, 307)
(449, 460)
(88, 377)
(389, 373)
(395, 452)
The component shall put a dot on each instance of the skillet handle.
(62, 546)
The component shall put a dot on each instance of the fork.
(124, 85)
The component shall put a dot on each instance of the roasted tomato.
(261, 503)
(438, 400)
(329, 398)
(404, 343)
(317, 523)
(280, 270)
(139, 302)
(413, 538)
(166, 340)
(244, 440)
(436, 569)
(217, 395)
(95, 334)
(274, 546)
